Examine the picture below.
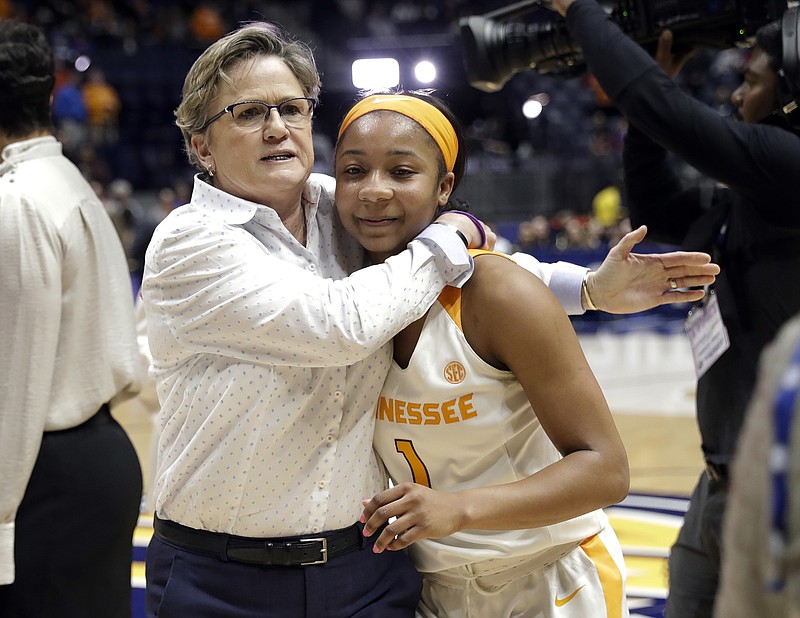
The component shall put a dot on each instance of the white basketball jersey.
(451, 421)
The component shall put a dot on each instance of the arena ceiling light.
(373, 73)
(82, 63)
(534, 105)
(425, 72)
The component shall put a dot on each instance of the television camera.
(496, 48)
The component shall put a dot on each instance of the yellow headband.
(430, 118)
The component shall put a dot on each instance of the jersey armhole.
(450, 298)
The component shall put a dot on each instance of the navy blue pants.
(73, 541)
(356, 584)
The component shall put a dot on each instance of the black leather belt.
(717, 471)
(284, 551)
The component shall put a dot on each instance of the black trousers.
(694, 561)
(74, 528)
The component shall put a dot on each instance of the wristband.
(585, 294)
(477, 223)
(457, 231)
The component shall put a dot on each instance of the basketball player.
(491, 424)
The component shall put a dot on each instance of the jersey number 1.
(418, 470)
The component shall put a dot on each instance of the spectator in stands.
(92, 165)
(125, 212)
(607, 206)
(206, 22)
(183, 192)
(69, 113)
(166, 201)
(102, 108)
(534, 234)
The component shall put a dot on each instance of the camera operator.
(750, 223)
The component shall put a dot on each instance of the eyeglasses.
(253, 115)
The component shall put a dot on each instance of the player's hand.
(421, 513)
(629, 282)
(468, 227)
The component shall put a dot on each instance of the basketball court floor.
(648, 380)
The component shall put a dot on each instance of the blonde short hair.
(202, 82)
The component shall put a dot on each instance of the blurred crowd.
(121, 65)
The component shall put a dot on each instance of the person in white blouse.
(70, 480)
(268, 357)
(270, 343)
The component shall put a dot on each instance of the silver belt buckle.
(323, 551)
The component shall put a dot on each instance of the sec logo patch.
(455, 373)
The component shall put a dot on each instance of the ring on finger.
(673, 285)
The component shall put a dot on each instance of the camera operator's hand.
(560, 6)
(671, 62)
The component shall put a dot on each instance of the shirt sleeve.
(30, 313)
(452, 246)
(563, 279)
(215, 289)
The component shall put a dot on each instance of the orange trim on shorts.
(608, 571)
